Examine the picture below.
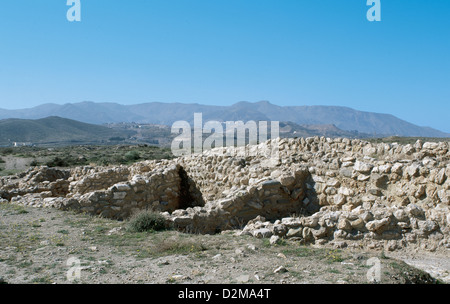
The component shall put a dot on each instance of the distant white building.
(23, 144)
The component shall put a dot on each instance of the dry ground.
(36, 245)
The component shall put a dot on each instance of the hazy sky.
(289, 52)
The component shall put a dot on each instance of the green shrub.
(118, 159)
(132, 156)
(146, 221)
(57, 162)
(67, 161)
(103, 161)
(117, 138)
(7, 151)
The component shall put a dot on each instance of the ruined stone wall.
(157, 190)
(382, 194)
(317, 190)
(347, 173)
(273, 198)
(88, 179)
(43, 181)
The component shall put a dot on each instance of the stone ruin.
(339, 191)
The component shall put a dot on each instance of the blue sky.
(289, 52)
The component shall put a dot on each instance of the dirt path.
(47, 245)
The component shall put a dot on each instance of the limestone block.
(362, 167)
(378, 225)
(262, 233)
(295, 232)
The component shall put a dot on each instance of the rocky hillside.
(337, 192)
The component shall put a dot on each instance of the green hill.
(56, 130)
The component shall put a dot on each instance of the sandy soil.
(51, 246)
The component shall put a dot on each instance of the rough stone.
(377, 225)
(274, 239)
(262, 233)
(319, 190)
(295, 232)
(362, 167)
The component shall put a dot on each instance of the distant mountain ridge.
(56, 131)
(343, 118)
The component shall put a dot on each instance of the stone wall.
(88, 179)
(157, 190)
(316, 189)
(272, 198)
(43, 181)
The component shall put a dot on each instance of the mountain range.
(54, 131)
(343, 118)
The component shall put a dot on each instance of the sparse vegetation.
(132, 156)
(335, 256)
(36, 244)
(6, 151)
(146, 221)
(72, 156)
(57, 162)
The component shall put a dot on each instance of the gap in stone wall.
(190, 195)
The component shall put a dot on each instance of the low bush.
(146, 221)
(57, 162)
(132, 156)
(6, 151)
